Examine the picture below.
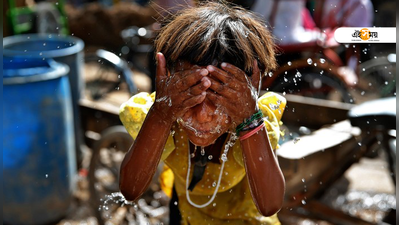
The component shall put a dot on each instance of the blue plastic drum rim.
(68, 45)
(53, 71)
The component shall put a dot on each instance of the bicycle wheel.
(106, 73)
(312, 84)
(107, 156)
(108, 203)
(378, 77)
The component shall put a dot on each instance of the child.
(206, 121)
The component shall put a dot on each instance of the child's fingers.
(161, 72)
(184, 65)
(222, 89)
(215, 98)
(229, 79)
(193, 101)
(235, 71)
(219, 74)
(188, 78)
(201, 87)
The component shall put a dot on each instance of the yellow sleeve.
(272, 106)
(132, 114)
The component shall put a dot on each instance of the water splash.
(115, 198)
(116, 201)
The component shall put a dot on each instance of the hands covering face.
(232, 89)
(179, 91)
(227, 87)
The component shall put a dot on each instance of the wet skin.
(207, 101)
(204, 98)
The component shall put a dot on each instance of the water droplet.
(224, 157)
(175, 203)
(214, 204)
(214, 184)
(46, 175)
(303, 202)
(210, 157)
(260, 158)
(322, 60)
(303, 180)
(310, 61)
(359, 143)
(202, 151)
(289, 63)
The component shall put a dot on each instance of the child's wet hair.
(213, 33)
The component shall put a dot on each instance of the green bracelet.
(247, 122)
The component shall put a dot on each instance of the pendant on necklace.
(199, 168)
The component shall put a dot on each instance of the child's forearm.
(264, 174)
(140, 163)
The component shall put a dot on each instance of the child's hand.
(179, 91)
(234, 90)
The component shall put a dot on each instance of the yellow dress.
(233, 203)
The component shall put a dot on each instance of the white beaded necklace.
(223, 157)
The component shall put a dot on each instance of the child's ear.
(256, 76)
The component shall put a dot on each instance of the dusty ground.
(366, 191)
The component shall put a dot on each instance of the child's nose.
(204, 113)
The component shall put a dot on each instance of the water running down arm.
(266, 180)
(264, 174)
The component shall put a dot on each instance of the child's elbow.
(128, 192)
(269, 208)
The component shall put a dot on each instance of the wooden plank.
(324, 212)
(313, 113)
(100, 106)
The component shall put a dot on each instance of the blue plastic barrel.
(39, 162)
(64, 49)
